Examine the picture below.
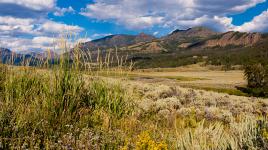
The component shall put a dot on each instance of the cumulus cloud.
(24, 24)
(63, 11)
(26, 8)
(32, 8)
(51, 27)
(216, 23)
(172, 13)
(42, 39)
(246, 5)
(258, 24)
(32, 4)
(129, 13)
(14, 30)
(39, 43)
(16, 26)
(26, 44)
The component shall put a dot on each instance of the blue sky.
(34, 25)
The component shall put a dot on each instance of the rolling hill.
(119, 40)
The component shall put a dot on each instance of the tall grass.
(242, 135)
(69, 104)
(39, 105)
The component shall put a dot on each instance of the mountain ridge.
(196, 37)
(179, 44)
(117, 40)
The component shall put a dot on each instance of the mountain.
(200, 38)
(5, 55)
(119, 40)
(31, 58)
(176, 40)
(5, 51)
(190, 34)
(174, 49)
(196, 37)
(230, 39)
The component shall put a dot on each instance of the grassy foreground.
(61, 108)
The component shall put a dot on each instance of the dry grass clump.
(194, 119)
(239, 135)
(176, 98)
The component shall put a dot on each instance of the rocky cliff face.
(234, 38)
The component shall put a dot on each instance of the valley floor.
(193, 76)
(182, 110)
(201, 76)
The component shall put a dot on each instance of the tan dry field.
(193, 76)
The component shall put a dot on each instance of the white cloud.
(40, 44)
(217, 23)
(98, 35)
(143, 22)
(52, 27)
(129, 13)
(16, 26)
(82, 40)
(15, 21)
(246, 5)
(33, 4)
(45, 41)
(24, 24)
(62, 11)
(20, 26)
(169, 13)
(258, 24)
(21, 44)
(13, 33)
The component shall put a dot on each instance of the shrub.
(145, 142)
(256, 75)
(257, 78)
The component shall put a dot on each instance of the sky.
(36, 25)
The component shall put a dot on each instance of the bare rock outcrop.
(234, 38)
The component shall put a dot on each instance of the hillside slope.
(119, 40)
(230, 38)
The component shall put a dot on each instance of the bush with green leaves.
(257, 78)
(256, 75)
